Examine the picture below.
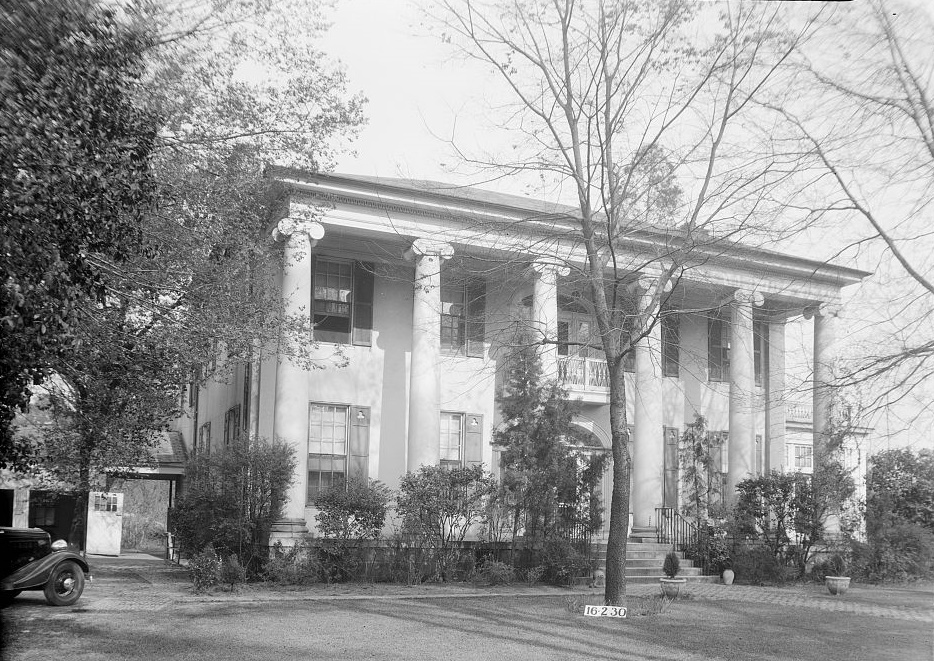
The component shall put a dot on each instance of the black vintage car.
(29, 560)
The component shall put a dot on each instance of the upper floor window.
(671, 342)
(760, 344)
(463, 307)
(342, 302)
(718, 349)
(577, 337)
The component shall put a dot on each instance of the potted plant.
(837, 584)
(671, 586)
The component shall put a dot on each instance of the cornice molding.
(437, 205)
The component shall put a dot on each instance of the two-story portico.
(417, 291)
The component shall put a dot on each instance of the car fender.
(37, 572)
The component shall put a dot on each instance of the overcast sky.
(420, 96)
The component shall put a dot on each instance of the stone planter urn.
(672, 586)
(837, 585)
(728, 576)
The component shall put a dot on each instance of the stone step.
(600, 554)
(656, 571)
(691, 579)
(653, 562)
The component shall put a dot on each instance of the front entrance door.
(105, 523)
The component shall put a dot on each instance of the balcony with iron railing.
(585, 378)
(799, 412)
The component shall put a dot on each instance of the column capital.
(542, 267)
(748, 296)
(823, 310)
(292, 225)
(646, 283)
(422, 247)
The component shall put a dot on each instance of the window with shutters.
(461, 442)
(463, 308)
(671, 342)
(718, 349)
(338, 446)
(760, 446)
(672, 468)
(717, 469)
(760, 345)
(204, 438)
(452, 438)
(247, 395)
(342, 301)
(231, 425)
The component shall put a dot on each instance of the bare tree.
(642, 109)
(867, 125)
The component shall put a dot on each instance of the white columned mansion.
(417, 292)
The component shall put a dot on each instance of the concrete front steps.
(645, 557)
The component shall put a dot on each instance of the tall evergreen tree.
(548, 471)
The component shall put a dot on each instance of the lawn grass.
(455, 629)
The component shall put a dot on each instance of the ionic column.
(424, 433)
(291, 409)
(545, 313)
(741, 455)
(648, 447)
(775, 397)
(825, 322)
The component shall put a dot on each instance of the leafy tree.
(552, 480)
(75, 149)
(197, 272)
(439, 505)
(232, 500)
(789, 511)
(900, 484)
(899, 519)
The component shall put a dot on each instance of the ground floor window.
(338, 446)
(461, 439)
(452, 438)
(327, 447)
(802, 457)
(204, 438)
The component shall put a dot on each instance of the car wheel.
(7, 596)
(65, 585)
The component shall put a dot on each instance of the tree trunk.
(78, 536)
(619, 506)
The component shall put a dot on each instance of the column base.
(288, 532)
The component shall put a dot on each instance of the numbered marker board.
(605, 611)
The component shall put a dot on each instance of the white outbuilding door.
(105, 523)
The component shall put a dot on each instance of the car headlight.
(59, 545)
